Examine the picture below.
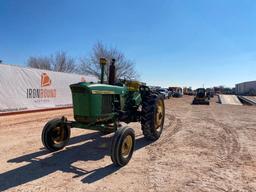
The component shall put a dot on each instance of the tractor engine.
(95, 102)
(98, 103)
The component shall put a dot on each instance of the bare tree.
(59, 62)
(63, 63)
(39, 63)
(124, 67)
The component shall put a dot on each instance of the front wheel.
(122, 146)
(55, 135)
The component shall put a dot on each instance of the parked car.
(169, 93)
(177, 94)
(176, 91)
(164, 92)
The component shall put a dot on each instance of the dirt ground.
(202, 148)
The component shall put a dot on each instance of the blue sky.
(173, 42)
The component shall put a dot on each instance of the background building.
(246, 88)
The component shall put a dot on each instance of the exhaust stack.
(112, 73)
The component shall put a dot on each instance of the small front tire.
(55, 135)
(122, 146)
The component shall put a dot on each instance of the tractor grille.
(107, 103)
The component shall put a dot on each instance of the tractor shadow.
(39, 167)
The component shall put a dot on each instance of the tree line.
(62, 62)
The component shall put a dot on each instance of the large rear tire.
(55, 135)
(122, 146)
(152, 116)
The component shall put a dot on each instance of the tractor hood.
(101, 89)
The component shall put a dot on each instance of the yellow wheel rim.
(58, 135)
(127, 146)
(159, 117)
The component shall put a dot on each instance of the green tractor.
(102, 107)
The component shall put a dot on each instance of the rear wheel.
(152, 116)
(122, 146)
(55, 135)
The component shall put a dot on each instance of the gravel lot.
(202, 148)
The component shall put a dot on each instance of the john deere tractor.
(103, 106)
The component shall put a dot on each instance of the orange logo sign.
(45, 80)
